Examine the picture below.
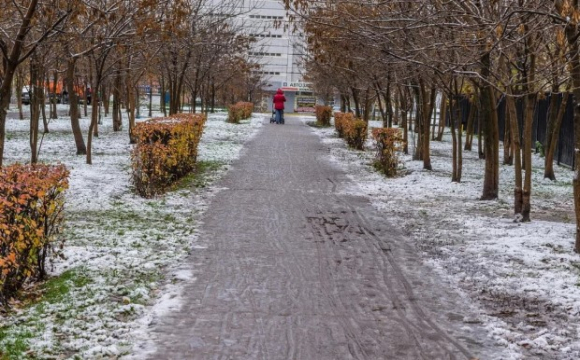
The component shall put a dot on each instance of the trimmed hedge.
(323, 115)
(340, 119)
(240, 111)
(388, 142)
(166, 150)
(31, 216)
(354, 131)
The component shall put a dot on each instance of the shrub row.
(323, 115)
(31, 216)
(354, 131)
(165, 151)
(388, 142)
(240, 111)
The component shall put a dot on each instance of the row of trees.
(403, 55)
(109, 48)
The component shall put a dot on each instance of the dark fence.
(565, 150)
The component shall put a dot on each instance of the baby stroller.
(273, 117)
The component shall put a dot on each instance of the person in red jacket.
(279, 100)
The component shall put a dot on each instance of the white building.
(279, 51)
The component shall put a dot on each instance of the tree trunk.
(131, 112)
(162, 97)
(428, 105)
(150, 114)
(10, 67)
(382, 110)
(106, 97)
(530, 102)
(43, 107)
(469, 128)
(490, 134)
(356, 100)
(554, 135)
(53, 102)
(367, 105)
(515, 133)
(442, 117)
(508, 158)
(389, 104)
(212, 98)
(574, 56)
(117, 117)
(86, 97)
(418, 121)
(92, 130)
(74, 108)
(454, 152)
(404, 119)
(35, 91)
(19, 86)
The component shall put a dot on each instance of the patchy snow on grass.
(524, 277)
(123, 253)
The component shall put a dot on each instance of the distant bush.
(388, 142)
(165, 151)
(240, 111)
(323, 115)
(31, 216)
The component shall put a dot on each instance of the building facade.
(279, 52)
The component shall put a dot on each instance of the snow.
(125, 252)
(524, 277)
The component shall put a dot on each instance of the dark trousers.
(279, 116)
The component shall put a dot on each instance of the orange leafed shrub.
(388, 142)
(31, 216)
(323, 115)
(354, 131)
(166, 150)
(340, 120)
(240, 111)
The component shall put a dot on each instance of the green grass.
(15, 349)
(15, 338)
(57, 288)
(200, 177)
(315, 124)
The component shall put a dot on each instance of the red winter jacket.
(279, 100)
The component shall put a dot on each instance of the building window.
(278, 36)
(251, 53)
(266, 72)
(266, 17)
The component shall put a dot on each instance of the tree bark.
(490, 134)
(515, 134)
(508, 158)
(530, 102)
(53, 110)
(74, 108)
(117, 119)
(35, 94)
(428, 105)
(10, 67)
(552, 137)
(469, 128)
(442, 117)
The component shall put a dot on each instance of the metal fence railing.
(565, 150)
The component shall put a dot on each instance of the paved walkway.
(294, 270)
